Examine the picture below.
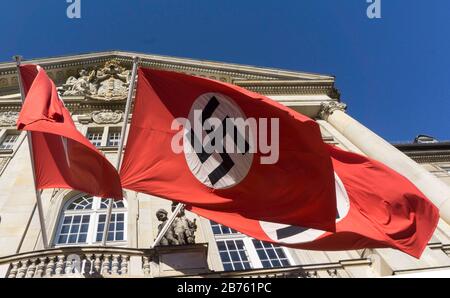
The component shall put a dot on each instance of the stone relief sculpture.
(8, 118)
(181, 231)
(107, 116)
(110, 82)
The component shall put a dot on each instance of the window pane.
(82, 238)
(276, 263)
(102, 218)
(84, 228)
(234, 256)
(227, 267)
(238, 266)
(257, 244)
(221, 245)
(224, 257)
(65, 229)
(100, 228)
(74, 229)
(280, 252)
(262, 255)
(231, 245)
(62, 239)
(240, 244)
(119, 226)
(216, 229)
(226, 230)
(272, 254)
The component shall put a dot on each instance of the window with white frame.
(233, 254)
(9, 140)
(95, 135)
(83, 220)
(271, 256)
(113, 137)
(239, 252)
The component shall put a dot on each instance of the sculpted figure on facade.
(181, 231)
(184, 228)
(169, 237)
(111, 82)
(79, 86)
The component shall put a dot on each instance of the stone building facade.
(94, 88)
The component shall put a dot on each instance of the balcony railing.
(103, 262)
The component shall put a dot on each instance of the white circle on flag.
(227, 167)
(288, 234)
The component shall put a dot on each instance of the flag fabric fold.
(376, 208)
(63, 157)
(297, 189)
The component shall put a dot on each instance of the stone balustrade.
(97, 262)
(74, 262)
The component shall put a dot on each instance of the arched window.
(83, 220)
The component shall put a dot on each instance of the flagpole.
(18, 60)
(121, 143)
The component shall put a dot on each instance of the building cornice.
(259, 79)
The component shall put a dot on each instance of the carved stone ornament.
(327, 108)
(111, 82)
(107, 116)
(8, 118)
(181, 231)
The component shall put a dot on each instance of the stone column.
(379, 149)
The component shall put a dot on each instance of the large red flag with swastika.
(63, 157)
(288, 179)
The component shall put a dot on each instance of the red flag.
(376, 208)
(63, 157)
(292, 184)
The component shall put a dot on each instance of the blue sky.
(394, 72)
